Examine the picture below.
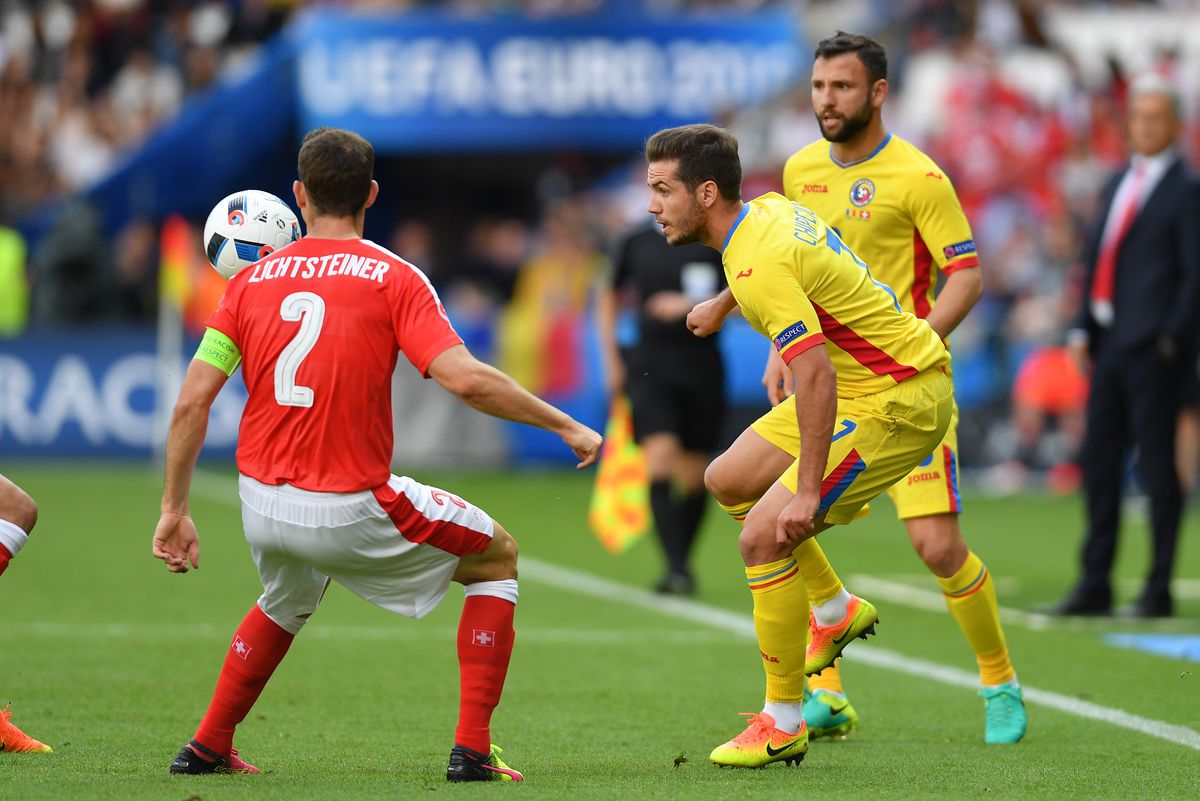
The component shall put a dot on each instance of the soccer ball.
(245, 227)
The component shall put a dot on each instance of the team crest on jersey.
(862, 192)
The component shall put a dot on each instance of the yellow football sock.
(829, 679)
(779, 599)
(971, 598)
(819, 577)
(738, 511)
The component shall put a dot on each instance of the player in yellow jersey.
(898, 211)
(876, 397)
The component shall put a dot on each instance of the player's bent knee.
(757, 542)
(495, 563)
(940, 547)
(288, 617)
(719, 482)
(17, 507)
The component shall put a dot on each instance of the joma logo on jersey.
(954, 251)
(862, 192)
(917, 478)
(814, 189)
(795, 331)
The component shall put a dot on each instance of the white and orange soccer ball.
(245, 227)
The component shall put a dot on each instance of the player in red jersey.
(18, 515)
(317, 328)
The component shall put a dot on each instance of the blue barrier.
(434, 82)
(92, 393)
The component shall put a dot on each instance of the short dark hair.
(869, 52)
(335, 167)
(704, 152)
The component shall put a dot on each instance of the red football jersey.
(319, 324)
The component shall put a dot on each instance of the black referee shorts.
(677, 393)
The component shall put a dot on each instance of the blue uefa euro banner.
(93, 393)
(436, 83)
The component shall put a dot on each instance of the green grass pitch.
(112, 660)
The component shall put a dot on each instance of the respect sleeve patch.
(219, 351)
(789, 335)
(959, 249)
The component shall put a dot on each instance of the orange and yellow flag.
(175, 266)
(620, 510)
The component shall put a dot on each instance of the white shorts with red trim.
(396, 546)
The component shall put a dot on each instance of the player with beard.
(860, 425)
(898, 211)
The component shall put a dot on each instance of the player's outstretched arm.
(708, 316)
(485, 388)
(175, 539)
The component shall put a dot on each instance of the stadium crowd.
(82, 83)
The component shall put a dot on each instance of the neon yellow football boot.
(827, 642)
(761, 744)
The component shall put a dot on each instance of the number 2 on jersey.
(309, 310)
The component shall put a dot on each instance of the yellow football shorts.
(877, 440)
(932, 486)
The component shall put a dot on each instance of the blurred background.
(508, 139)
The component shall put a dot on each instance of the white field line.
(742, 625)
(399, 632)
(931, 600)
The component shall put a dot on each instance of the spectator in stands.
(72, 269)
(1136, 331)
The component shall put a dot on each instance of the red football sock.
(255, 652)
(5, 555)
(485, 643)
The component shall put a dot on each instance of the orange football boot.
(17, 741)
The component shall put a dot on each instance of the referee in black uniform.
(675, 381)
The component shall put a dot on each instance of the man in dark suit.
(1136, 331)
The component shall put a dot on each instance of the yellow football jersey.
(895, 208)
(799, 285)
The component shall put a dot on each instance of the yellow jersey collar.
(856, 162)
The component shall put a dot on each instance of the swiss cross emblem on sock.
(483, 637)
(240, 647)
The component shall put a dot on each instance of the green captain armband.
(219, 351)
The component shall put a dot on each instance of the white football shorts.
(396, 546)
